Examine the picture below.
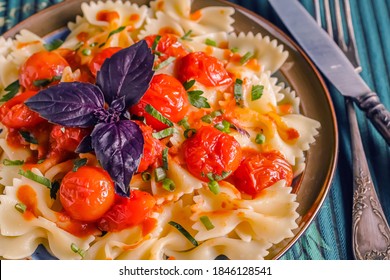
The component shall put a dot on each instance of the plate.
(298, 72)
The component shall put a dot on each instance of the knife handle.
(376, 112)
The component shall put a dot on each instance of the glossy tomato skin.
(97, 61)
(127, 212)
(168, 46)
(168, 96)
(211, 151)
(261, 170)
(66, 138)
(15, 114)
(41, 66)
(203, 68)
(87, 193)
(152, 148)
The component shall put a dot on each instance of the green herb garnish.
(246, 58)
(21, 207)
(86, 52)
(184, 232)
(11, 90)
(8, 162)
(210, 42)
(168, 185)
(157, 115)
(189, 132)
(207, 223)
(28, 137)
(53, 45)
(260, 138)
(77, 163)
(196, 99)
(188, 84)
(238, 90)
(146, 176)
(257, 92)
(165, 158)
(36, 178)
(77, 250)
(187, 35)
(165, 63)
(213, 186)
(119, 29)
(223, 126)
(155, 42)
(159, 174)
(46, 82)
(164, 133)
(184, 123)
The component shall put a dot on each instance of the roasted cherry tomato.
(168, 96)
(87, 193)
(167, 46)
(261, 170)
(66, 138)
(127, 212)
(15, 114)
(211, 151)
(97, 61)
(43, 68)
(152, 148)
(203, 68)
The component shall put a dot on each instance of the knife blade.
(332, 62)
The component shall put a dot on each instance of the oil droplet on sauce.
(27, 195)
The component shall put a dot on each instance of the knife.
(332, 62)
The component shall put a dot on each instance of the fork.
(370, 230)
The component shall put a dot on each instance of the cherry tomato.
(168, 46)
(15, 114)
(261, 170)
(168, 96)
(211, 151)
(66, 138)
(152, 148)
(87, 193)
(42, 65)
(97, 61)
(205, 69)
(127, 212)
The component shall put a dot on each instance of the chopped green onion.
(40, 161)
(155, 42)
(186, 36)
(12, 89)
(159, 174)
(189, 132)
(246, 58)
(207, 118)
(187, 85)
(28, 137)
(257, 92)
(8, 162)
(260, 138)
(184, 123)
(168, 185)
(46, 82)
(146, 176)
(94, 44)
(223, 176)
(21, 207)
(184, 232)
(77, 163)
(164, 133)
(79, 45)
(55, 186)
(238, 90)
(32, 176)
(213, 186)
(210, 42)
(86, 52)
(53, 45)
(234, 50)
(77, 250)
(165, 158)
(216, 113)
(157, 115)
(165, 63)
(223, 126)
(207, 223)
(119, 29)
(197, 100)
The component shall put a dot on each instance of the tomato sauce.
(27, 195)
(77, 228)
(107, 16)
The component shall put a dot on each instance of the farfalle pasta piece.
(269, 54)
(202, 21)
(229, 212)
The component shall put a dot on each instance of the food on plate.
(149, 132)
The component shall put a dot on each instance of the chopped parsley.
(256, 92)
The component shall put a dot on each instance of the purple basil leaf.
(127, 73)
(85, 145)
(119, 147)
(68, 104)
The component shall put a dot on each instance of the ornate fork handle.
(376, 112)
(371, 233)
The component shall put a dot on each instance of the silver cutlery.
(370, 230)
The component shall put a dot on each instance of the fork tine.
(328, 17)
(340, 30)
(317, 12)
(351, 33)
